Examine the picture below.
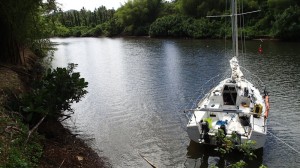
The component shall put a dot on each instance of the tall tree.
(138, 13)
(21, 24)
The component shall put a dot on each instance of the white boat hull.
(238, 107)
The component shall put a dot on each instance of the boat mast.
(236, 73)
(234, 26)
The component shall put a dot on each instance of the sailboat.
(234, 105)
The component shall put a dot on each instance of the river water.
(139, 87)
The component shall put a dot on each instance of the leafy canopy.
(54, 94)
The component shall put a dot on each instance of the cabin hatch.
(229, 95)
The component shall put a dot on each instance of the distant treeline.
(181, 18)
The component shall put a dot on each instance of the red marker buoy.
(260, 50)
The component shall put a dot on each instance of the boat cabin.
(229, 94)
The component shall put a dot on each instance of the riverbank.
(54, 145)
(63, 149)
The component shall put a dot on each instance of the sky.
(89, 4)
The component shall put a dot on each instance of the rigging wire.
(242, 34)
(252, 74)
(240, 24)
(284, 142)
(225, 30)
(244, 41)
(201, 91)
(242, 31)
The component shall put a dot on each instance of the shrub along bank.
(31, 133)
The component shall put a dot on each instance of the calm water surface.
(139, 87)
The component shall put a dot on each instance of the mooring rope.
(284, 142)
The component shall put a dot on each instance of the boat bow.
(236, 73)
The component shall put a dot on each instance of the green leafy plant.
(53, 95)
(287, 24)
(238, 164)
(227, 144)
(247, 148)
(224, 145)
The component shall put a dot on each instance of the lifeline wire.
(284, 142)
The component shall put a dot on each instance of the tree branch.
(34, 128)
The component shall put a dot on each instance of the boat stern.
(193, 133)
(259, 138)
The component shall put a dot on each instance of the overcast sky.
(89, 4)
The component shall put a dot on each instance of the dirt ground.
(62, 149)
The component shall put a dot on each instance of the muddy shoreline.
(63, 149)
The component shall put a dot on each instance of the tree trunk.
(8, 44)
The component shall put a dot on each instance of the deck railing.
(254, 79)
(208, 85)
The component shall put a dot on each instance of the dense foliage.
(53, 95)
(287, 25)
(183, 18)
(184, 26)
(81, 23)
(137, 15)
(23, 26)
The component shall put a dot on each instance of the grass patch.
(13, 133)
(13, 151)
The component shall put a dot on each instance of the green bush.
(94, 32)
(54, 94)
(171, 26)
(201, 28)
(141, 31)
(287, 24)
(111, 28)
(61, 31)
(183, 26)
